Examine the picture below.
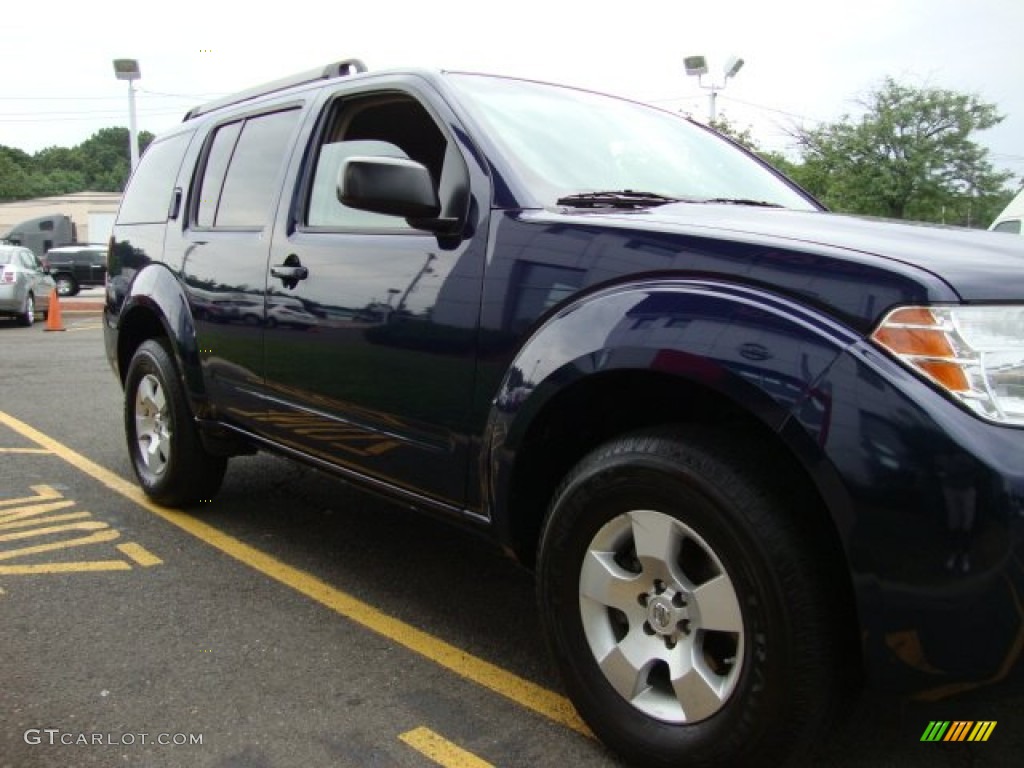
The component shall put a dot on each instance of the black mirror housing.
(389, 185)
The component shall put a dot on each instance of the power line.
(84, 112)
(60, 98)
(91, 116)
(199, 96)
(160, 94)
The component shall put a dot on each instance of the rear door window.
(240, 176)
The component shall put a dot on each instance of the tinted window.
(386, 125)
(148, 197)
(251, 181)
(213, 175)
(1013, 226)
(325, 209)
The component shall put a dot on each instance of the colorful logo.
(958, 730)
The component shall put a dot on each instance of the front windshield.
(566, 142)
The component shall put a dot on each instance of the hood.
(978, 265)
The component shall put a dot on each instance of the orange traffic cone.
(53, 321)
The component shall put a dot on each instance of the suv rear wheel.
(168, 456)
(66, 285)
(691, 619)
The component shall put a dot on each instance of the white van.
(1010, 219)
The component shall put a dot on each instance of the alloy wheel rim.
(661, 617)
(152, 424)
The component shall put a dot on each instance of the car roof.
(77, 248)
(343, 68)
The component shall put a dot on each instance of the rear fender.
(156, 295)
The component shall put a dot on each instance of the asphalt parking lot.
(292, 622)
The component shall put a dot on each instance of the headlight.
(974, 353)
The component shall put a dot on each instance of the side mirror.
(390, 185)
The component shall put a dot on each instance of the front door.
(370, 337)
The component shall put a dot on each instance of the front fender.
(759, 351)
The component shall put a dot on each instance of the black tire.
(28, 312)
(169, 459)
(729, 584)
(66, 285)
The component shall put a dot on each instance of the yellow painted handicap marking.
(28, 527)
(41, 493)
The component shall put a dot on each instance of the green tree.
(911, 155)
(745, 138)
(104, 158)
(100, 163)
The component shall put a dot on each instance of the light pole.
(128, 69)
(698, 66)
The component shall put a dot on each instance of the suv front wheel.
(691, 619)
(168, 456)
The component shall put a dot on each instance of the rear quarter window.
(147, 199)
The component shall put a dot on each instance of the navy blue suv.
(756, 453)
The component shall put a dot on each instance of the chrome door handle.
(289, 272)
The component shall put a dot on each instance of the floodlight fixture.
(697, 66)
(127, 69)
(734, 65)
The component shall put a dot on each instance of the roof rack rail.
(341, 68)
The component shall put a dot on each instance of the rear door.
(95, 264)
(224, 245)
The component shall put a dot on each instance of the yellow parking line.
(31, 510)
(440, 750)
(139, 554)
(88, 566)
(525, 693)
(96, 538)
(85, 525)
(40, 520)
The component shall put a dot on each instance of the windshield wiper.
(742, 201)
(623, 198)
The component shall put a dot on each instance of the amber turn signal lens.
(916, 336)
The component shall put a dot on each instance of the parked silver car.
(25, 284)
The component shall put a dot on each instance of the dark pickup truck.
(756, 453)
(76, 266)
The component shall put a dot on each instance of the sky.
(805, 61)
